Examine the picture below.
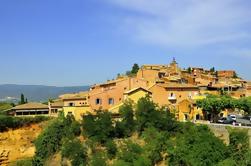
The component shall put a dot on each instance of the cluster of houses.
(168, 86)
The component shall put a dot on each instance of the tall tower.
(174, 61)
(174, 66)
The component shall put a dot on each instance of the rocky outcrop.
(4, 157)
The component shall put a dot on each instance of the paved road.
(243, 121)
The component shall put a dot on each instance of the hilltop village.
(167, 85)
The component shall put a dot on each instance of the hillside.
(11, 92)
(18, 143)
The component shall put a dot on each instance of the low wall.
(222, 133)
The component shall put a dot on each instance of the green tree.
(239, 147)
(189, 70)
(215, 104)
(197, 146)
(145, 113)
(51, 139)
(98, 159)
(135, 69)
(75, 152)
(126, 126)
(244, 104)
(131, 154)
(235, 75)
(99, 128)
(212, 70)
(111, 149)
(75, 128)
(49, 142)
(148, 114)
(155, 143)
(22, 100)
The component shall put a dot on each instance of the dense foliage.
(126, 126)
(98, 128)
(75, 152)
(149, 115)
(195, 145)
(51, 140)
(9, 122)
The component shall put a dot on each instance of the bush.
(196, 146)
(23, 162)
(239, 147)
(75, 152)
(227, 162)
(75, 128)
(49, 142)
(149, 115)
(111, 149)
(99, 128)
(126, 127)
(154, 144)
(98, 159)
(9, 122)
(130, 152)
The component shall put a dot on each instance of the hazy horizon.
(78, 43)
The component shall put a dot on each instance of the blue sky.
(81, 42)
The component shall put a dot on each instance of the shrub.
(23, 162)
(75, 128)
(75, 152)
(98, 159)
(111, 149)
(126, 127)
(239, 147)
(49, 142)
(99, 128)
(148, 114)
(154, 144)
(196, 146)
(130, 152)
(9, 122)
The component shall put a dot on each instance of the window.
(110, 101)
(71, 104)
(98, 101)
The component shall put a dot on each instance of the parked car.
(233, 117)
(226, 120)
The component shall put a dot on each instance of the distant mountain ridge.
(12, 92)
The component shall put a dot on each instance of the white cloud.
(187, 23)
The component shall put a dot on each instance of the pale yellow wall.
(136, 95)
(77, 112)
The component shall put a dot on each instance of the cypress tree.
(22, 101)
